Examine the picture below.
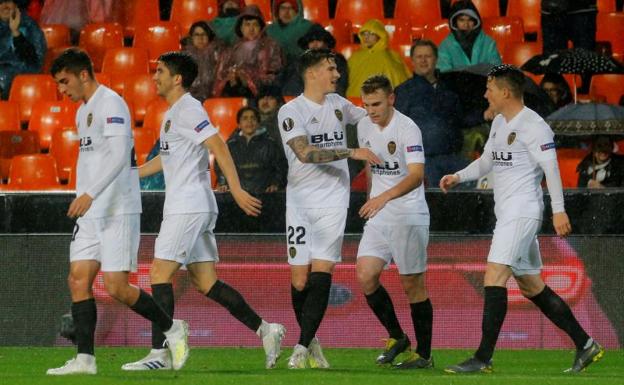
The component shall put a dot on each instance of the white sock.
(263, 330)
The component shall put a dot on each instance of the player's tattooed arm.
(310, 154)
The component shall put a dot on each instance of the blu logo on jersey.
(320, 138)
(501, 156)
(386, 166)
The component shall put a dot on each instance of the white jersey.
(516, 148)
(318, 185)
(185, 161)
(397, 145)
(106, 114)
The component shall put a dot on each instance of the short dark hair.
(180, 63)
(72, 60)
(424, 43)
(511, 76)
(240, 113)
(311, 57)
(377, 82)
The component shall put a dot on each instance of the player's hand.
(79, 206)
(365, 154)
(373, 206)
(489, 114)
(250, 205)
(14, 21)
(562, 225)
(448, 182)
(272, 188)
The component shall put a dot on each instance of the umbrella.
(588, 119)
(470, 83)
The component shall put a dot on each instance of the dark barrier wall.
(457, 212)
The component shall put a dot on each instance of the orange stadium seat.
(437, 30)
(359, 11)
(143, 142)
(64, 148)
(157, 38)
(610, 86)
(138, 13)
(50, 116)
(30, 89)
(504, 30)
(119, 63)
(33, 172)
(14, 143)
(50, 55)
(56, 35)
(103, 79)
(9, 116)
(139, 90)
(96, 38)
(569, 159)
(399, 31)
(610, 27)
(315, 10)
(518, 53)
(529, 12)
(418, 9)
(265, 8)
(606, 5)
(341, 29)
(487, 8)
(154, 115)
(187, 12)
(222, 113)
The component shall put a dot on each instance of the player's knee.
(299, 283)
(116, 289)
(77, 284)
(368, 278)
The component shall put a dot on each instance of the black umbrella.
(470, 83)
(588, 119)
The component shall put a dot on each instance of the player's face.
(163, 79)
(494, 94)
(379, 106)
(71, 85)
(248, 123)
(424, 61)
(326, 75)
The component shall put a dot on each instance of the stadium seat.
(187, 12)
(157, 38)
(487, 8)
(64, 148)
(359, 11)
(610, 86)
(347, 49)
(265, 8)
(50, 55)
(355, 100)
(50, 116)
(504, 30)
(421, 9)
(610, 27)
(569, 160)
(399, 31)
(9, 116)
(143, 142)
(30, 89)
(119, 63)
(518, 53)
(103, 79)
(315, 10)
(154, 114)
(56, 35)
(33, 172)
(529, 12)
(341, 29)
(222, 113)
(139, 90)
(138, 13)
(96, 38)
(14, 143)
(606, 5)
(436, 31)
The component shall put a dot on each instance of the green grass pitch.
(349, 366)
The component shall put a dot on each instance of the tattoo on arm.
(310, 154)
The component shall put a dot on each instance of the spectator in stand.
(288, 27)
(223, 24)
(268, 102)
(437, 111)
(467, 44)
(602, 168)
(557, 89)
(22, 45)
(573, 20)
(260, 165)
(202, 45)
(374, 58)
(317, 37)
(255, 60)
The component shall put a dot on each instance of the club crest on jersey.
(391, 147)
(89, 119)
(292, 252)
(167, 125)
(288, 124)
(511, 138)
(338, 114)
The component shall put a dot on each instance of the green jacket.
(288, 35)
(451, 56)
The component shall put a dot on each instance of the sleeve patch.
(547, 146)
(201, 126)
(115, 120)
(415, 147)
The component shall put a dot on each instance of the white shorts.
(314, 234)
(187, 238)
(112, 241)
(515, 244)
(405, 244)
